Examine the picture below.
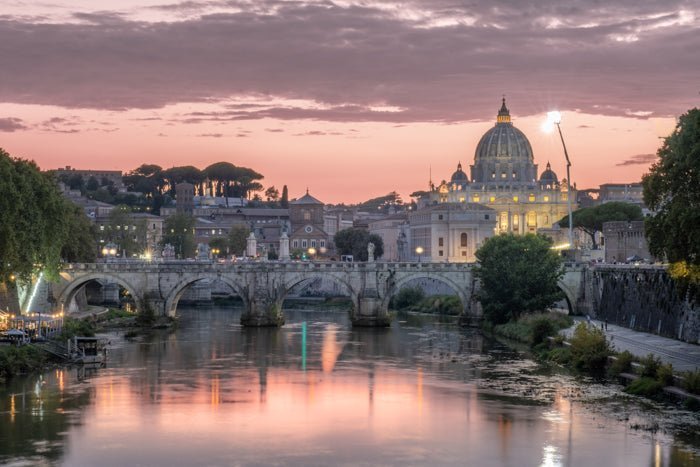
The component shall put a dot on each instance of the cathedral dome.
(503, 140)
(459, 176)
(504, 155)
(548, 176)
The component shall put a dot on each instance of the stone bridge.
(263, 285)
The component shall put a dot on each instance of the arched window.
(463, 240)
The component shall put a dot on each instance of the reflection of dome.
(459, 176)
(503, 140)
(548, 176)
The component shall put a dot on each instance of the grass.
(645, 386)
(535, 328)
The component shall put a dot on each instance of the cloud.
(639, 159)
(10, 124)
(584, 126)
(411, 61)
(210, 135)
(274, 130)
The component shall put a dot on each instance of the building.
(390, 229)
(504, 178)
(114, 176)
(450, 232)
(306, 216)
(184, 194)
(625, 241)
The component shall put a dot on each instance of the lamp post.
(312, 253)
(419, 252)
(554, 117)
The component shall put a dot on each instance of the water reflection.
(315, 392)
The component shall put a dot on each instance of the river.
(318, 392)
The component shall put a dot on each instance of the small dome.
(459, 176)
(548, 176)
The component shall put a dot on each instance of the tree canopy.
(238, 239)
(354, 242)
(178, 231)
(672, 192)
(591, 219)
(38, 225)
(381, 202)
(518, 274)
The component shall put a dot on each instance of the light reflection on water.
(315, 392)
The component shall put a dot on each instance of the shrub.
(589, 349)
(18, 360)
(560, 355)
(407, 297)
(664, 374)
(644, 386)
(622, 363)
(146, 316)
(691, 381)
(76, 327)
(541, 328)
(650, 366)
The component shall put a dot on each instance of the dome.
(459, 176)
(504, 140)
(504, 155)
(548, 176)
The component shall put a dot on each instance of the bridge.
(263, 286)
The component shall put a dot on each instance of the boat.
(86, 350)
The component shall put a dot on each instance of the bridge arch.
(300, 277)
(68, 293)
(173, 296)
(461, 290)
(569, 296)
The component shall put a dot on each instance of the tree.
(92, 184)
(518, 274)
(354, 242)
(36, 222)
(591, 219)
(80, 246)
(284, 201)
(129, 234)
(672, 192)
(182, 174)
(382, 202)
(221, 244)
(272, 194)
(178, 231)
(238, 239)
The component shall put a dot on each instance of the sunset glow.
(351, 99)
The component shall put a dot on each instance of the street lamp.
(419, 252)
(312, 252)
(554, 118)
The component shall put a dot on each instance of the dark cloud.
(10, 124)
(639, 159)
(211, 135)
(274, 130)
(584, 126)
(450, 64)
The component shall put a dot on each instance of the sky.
(351, 99)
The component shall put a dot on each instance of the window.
(439, 252)
(531, 198)
(313, 243)
(493, 174)
(546, 199)
(513, 174)
(304, 244)
(307, 215)
(492, 199)
(441, 241)
(564, 197)
(486, 217)
(213, 231)
(476, 199)
(464, 253)
(461, 199)
(463, 240)
(323, 243)
(102, 227)
(440, 217)
(503, 175)
(295, 244)
(515, 198)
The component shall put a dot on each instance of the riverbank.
(585, 349)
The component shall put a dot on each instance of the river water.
(318, 392)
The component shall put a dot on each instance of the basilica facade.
(502, 193)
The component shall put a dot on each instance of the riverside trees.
(519, 274)
(39, 228)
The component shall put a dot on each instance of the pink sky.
(350, 99)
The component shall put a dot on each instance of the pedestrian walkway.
(682, 355)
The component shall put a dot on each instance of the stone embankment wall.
(643, 298)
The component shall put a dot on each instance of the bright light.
(312, 251)
(553, 118)
(419, 250)
(563, 246)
